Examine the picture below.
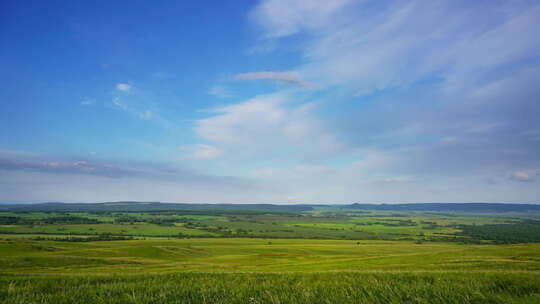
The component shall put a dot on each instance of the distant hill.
(149, 206)
(448, 207)
(157, 206)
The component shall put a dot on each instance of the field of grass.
(252, 288)
(322, 256)
(142, 229)
(260, 255)
(318, 224)
(262, 271)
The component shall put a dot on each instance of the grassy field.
(142, 229)
(260, 255)
(251, 288)
(318, 224)
(321, 256)
(267, 271)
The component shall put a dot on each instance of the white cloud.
(119, 103)
(124, 87)
(284, 77)
(87, 102)
(451, 96)
(364, 92)
(202, 151)
(522, 175)
(31, 186)
(374, 45)
(281, 18)
(141, 110)
(267, 123)
(220, 91)
(243, 123)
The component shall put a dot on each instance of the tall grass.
(254, 288)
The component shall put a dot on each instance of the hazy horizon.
(271, 203)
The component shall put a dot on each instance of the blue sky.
(270, 101)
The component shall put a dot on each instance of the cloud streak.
(220, 91)
(202, 152)
(30, 177)
(281, 18)
(123, 87)
(268, 124)
(56, 165)
(292, 78)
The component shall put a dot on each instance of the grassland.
(260, 255)
(318, 224)
(317, 256)
(245, 270)
(340, 288)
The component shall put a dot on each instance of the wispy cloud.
(63, 166)
(373, 45)
(220, 91)
(282, 18)
(267, 123)
(282, 77)
(30, 162)
(138, 105)
(119, 103)
(202, 151)
(30, 177)
(87, 102)
(523, 176)
(123, 87)
(452, 98)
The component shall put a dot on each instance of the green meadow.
(318, 224)
(245, 270)
(322, 255)
(260, 255)
(226, 288)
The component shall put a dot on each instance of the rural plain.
(144, 253)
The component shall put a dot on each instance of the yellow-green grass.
(379, 228)
(438, 219)
(127, 229)
(342, 288)
(260, 255)
(29, 215)
(28, 236)
(156, 269)
(109, 217)
(243, 270)
(145, 224)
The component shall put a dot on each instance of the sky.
(270, 101)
